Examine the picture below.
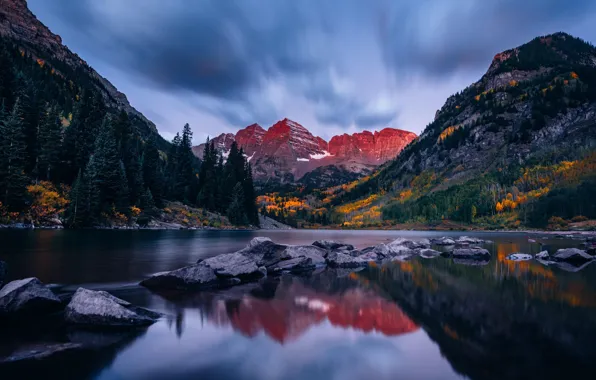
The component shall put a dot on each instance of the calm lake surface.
(419, 319)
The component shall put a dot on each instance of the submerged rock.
(332, 245)
(571, 254)
(471, 253)
(194, 276)
(518, 256)
(2, 272)
(28, 296)
(98, 308)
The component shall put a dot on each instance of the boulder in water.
(233, 265)
(28, 296)
(316, 254)
(196, 276)
(471, 253)
(332, 245)
(571, 254)
(341, 260)
(543, 255)
(101, 309)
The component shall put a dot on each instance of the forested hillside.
(517, 148)
(69, 158)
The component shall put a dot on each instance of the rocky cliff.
(19, 25)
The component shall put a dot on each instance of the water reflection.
(419, 319)
(294, 308)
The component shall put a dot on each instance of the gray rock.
(2, 272)
(428, 253)
(265, 253)
(101, 309)
(194, 276)
(341, 260)
(571, 254)
(543, 255)
(28, 296)
(443, 241)
(518, 256)
(233, 265)
(295, 265)
(258, 240)
(411, 244)
(470, 240)
(392, 250)
(332, 245)
(471, 253)
(316, 254)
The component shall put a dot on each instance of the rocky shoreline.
(28, 302)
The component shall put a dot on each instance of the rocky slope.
(19, 25)
(287, 151)
(500, 146)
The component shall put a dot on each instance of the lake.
(418, 319)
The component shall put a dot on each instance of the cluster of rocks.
(571, 259)
(262, 257)
(30, 298)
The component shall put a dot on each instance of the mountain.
(75, 153)
(288, 152)
(516, 148)
(20, 26)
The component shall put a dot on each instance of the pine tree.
(50, 141)
(78, 211)
(107, 177)
(250, 205)
(185, 178)
(236, 212)
(128, 142)
(173, 192)
(13, 150)
(152, 174)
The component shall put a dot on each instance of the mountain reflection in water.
(295, 307)
(435, 318)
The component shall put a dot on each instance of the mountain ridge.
(288, 151)
(515, 148)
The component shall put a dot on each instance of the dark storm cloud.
(438, 37)
(227, 52)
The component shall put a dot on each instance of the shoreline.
(183, 228)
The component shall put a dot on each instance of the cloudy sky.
(334, 66)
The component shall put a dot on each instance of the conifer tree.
(50, 140)
(152, 174)
(236, 212)
(107, 177)
(13, 153)
(78, 211)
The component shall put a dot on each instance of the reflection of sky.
(323, 352)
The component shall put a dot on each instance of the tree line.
(56, 127)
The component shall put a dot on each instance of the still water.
(420, 319)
